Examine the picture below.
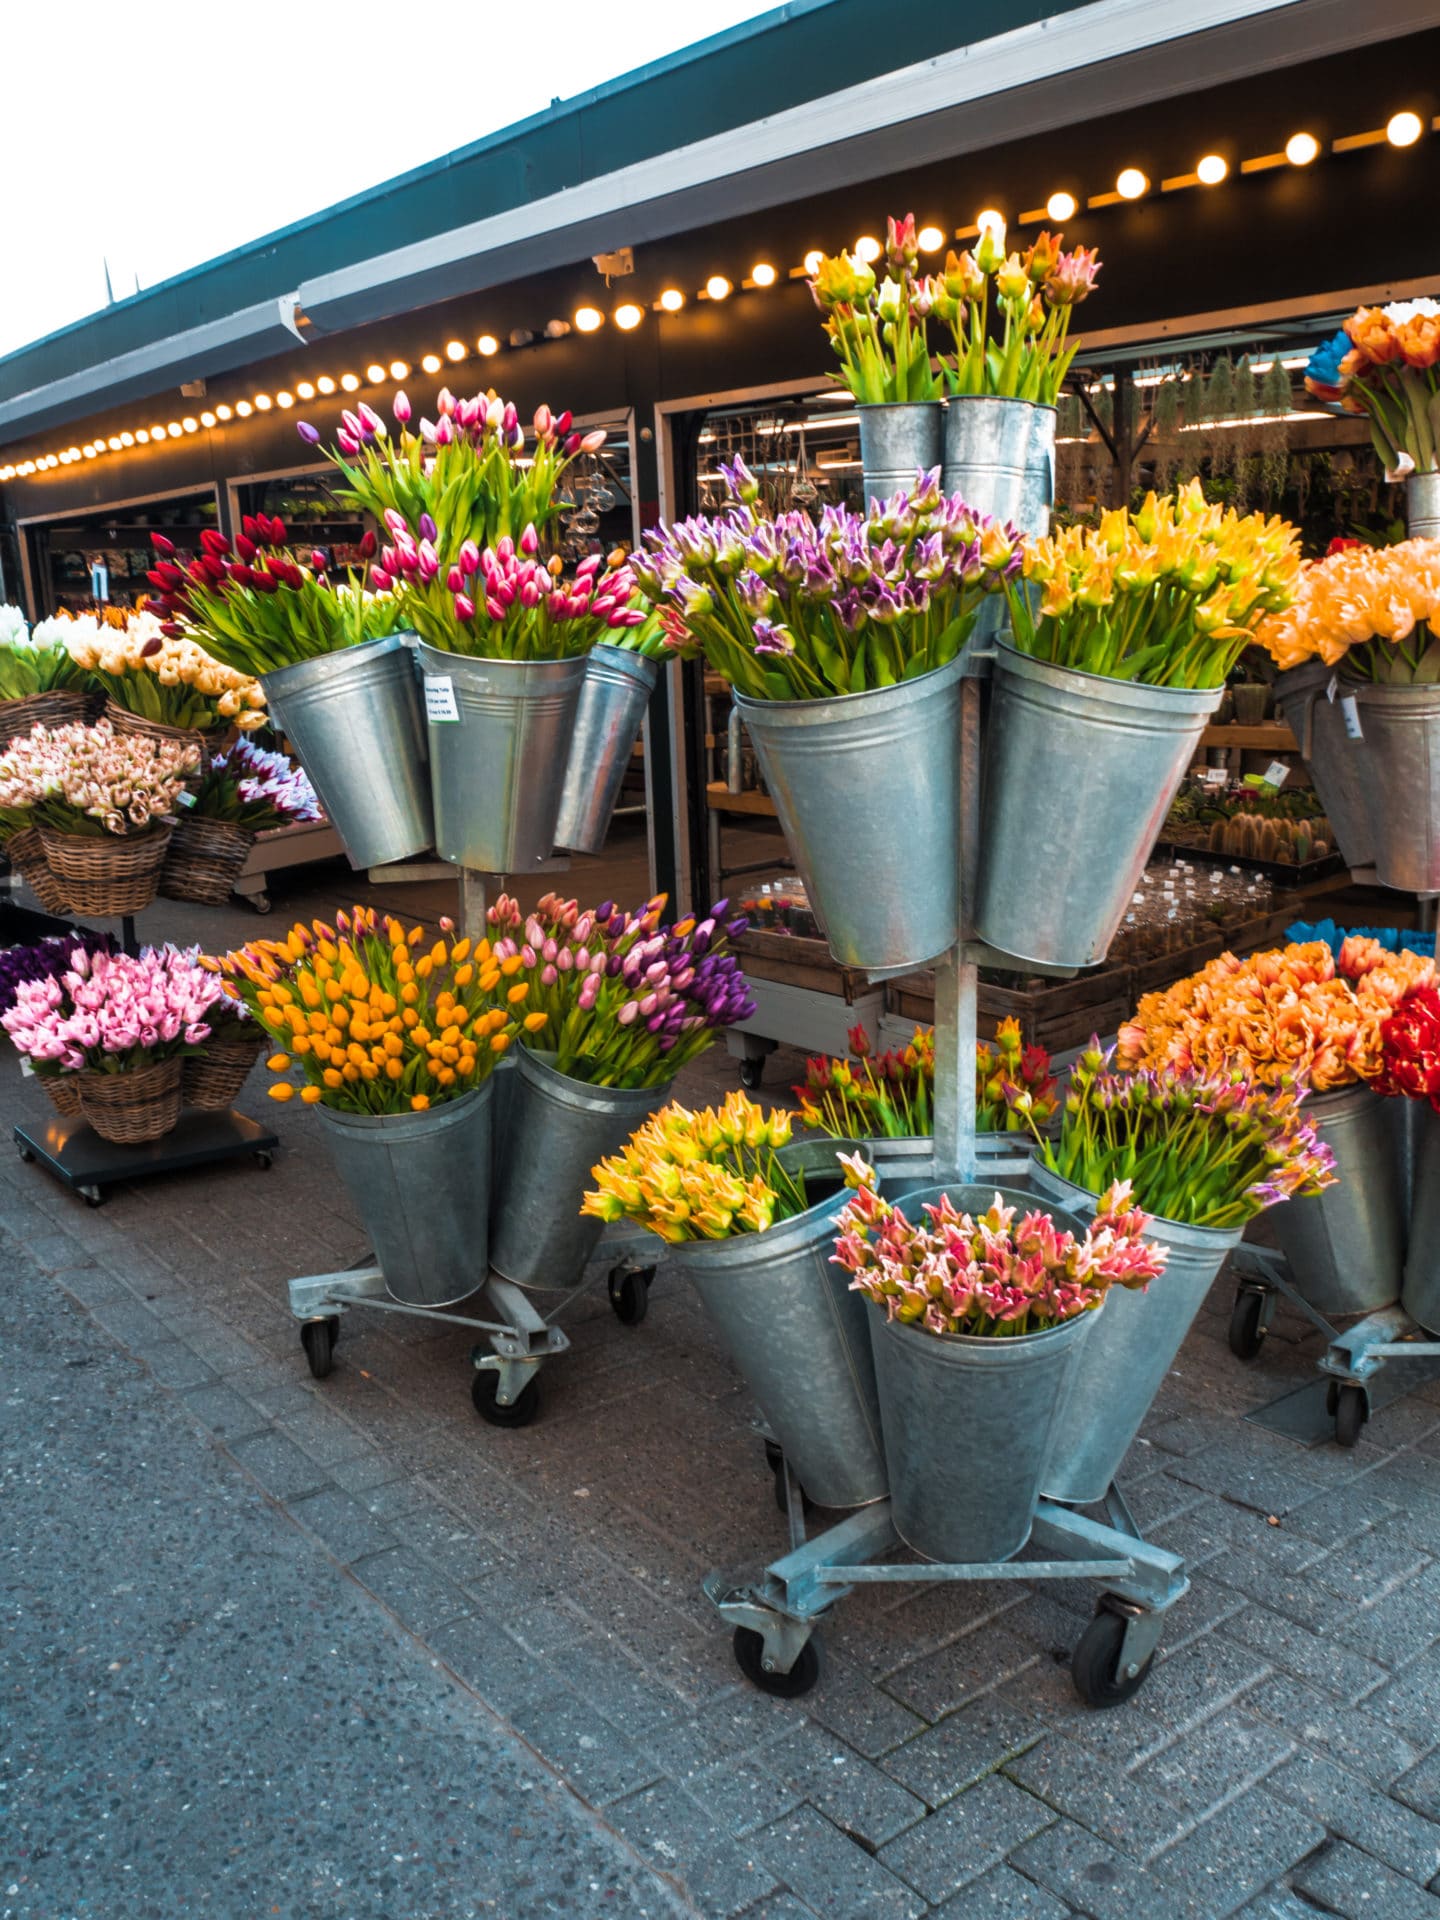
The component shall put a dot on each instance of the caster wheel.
(1095, 1663)
(260, 902)
(1247, 1336)
(752, 1072)
(318, 1339)
(264, 1161)
(521, 1411)
(92, 1196)
(1351, 1410)
(750, 1658)
(25, 1153)
(629, 1290)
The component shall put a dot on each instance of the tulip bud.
(319, 560)
(445, 401)
(495, 608)
(161, 544)
(464, 607)
(495, 415)
(249, 526)
(505, 550)
(572, 443)
(213, 542)
(401, 408)
(562, 425)
(455, 580)
(469, 558)
(444, 434)
(310, 435)
(510, 418)
(347, 442)
(529, 541)
(593, 441)
(428, 529)
(380, 580)
(543, 420)
(368, 544)
(246, 549)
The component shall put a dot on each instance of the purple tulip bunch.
(114, 1012)
(627, 1001)
(45, 960)
(788, 608)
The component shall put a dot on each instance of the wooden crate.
(792, 960)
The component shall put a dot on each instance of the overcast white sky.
(164, 132)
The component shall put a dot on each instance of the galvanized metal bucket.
(1000, 458)
(421, 1185)
(867, 788)
(353, 718)
(1400, 778)
(1346, 1246)
(904, 1166)
(1420, 1295)
(1131, 1350)
(613, 698)
(497, 768)
(968, 1421)
(897, 441)
(556, 1130)
(1333, 759)
(800, 1337)
(1079, 773)
(1422, 506)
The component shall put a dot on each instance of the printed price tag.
(1332, 688)
(1276, 774)
(1215, 776)
(440, 706)
(27, 1072)
(185, 798)
(1353, 729)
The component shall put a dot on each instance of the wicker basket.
(134, 723)
(26, 853)
(130, 1108)
(204, 860)
(212, 1079)
(107, 874)
(63, 1092)
(59, 708)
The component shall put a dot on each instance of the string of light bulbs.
(1302, 149)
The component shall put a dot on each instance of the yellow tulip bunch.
(162, 678)
(700, 1176)
(1168, 595)
(371, 1019)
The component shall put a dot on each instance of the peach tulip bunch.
(1288, 1016)
(1376, 609)
(1385, 364)
(92, 780)
(165, 678)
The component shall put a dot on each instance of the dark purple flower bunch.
(48, 959)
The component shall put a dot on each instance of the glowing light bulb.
(930, 239)
(399, 369)
(190, 423)
(244, 409)
(374, 372)
(157, 433)
(763, 274)
(717, 286)
(1404, 129)
(304, 389)
(1131, 184)
(991, 220)
(127, 439)
(1061, 205)
(175, 430)
(263, 402)
(224, 413)
(114, 443)
(587, 319)
(488, 344)
(350, 382)
(455, 349)
(1301, 149)
(672, 300)
(284, 399)
(207, 419)
(1212, 169)
(812, 261)
(143, 436)
(628, 316)
(867, 248)
(325, 384)
(432, 363)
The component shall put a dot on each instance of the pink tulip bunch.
(114, 1012)
(92, 780)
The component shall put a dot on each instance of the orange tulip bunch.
(1375, 608)
(1288, 1015)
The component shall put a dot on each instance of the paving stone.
(1095, 1877)
(1345, 1881)
(742, 1796)
(1403, 1839)
(847, 1789)
(1323, 1662)
(1292, 1593)
(1411, 1702)
(1123, 1809)
(134, 1326)
(1245, 1847)
(341, 1522)
(479, 1651)
(92, 1286)
(1223, 1757)
(371, 1474)
(1333, 1517)
(866, 1717)
(780, 1906)
(224, 1412)
(1357, 1736)
(1003, 1894)
(414, 1591)
(961, 1749)
(1248, 1472)
(967, 1835)
(972, 1664)
(599, 1761)
(1277, 1903)
(279, 1465)
(461, 1554)
(175, 1366)
(220, 1346)
(1369, 1567)
(1398, 1627)
(833, 1873)
(676, 1832)
(1419, 1787)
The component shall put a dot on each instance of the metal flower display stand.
(775, 1616)
(520, 1337)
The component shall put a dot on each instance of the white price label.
(1276, 774)
(185, 798)
(440, 706)
(27, 1072)
(1215, 776)
(1353, 729)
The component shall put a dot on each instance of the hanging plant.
(1165, 433)
(1220, 407)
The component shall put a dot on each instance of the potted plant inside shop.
(47, 960)
(102, 805)
(39, 681)
(987, 1303)
(504, 635)
(1205, 1150)
(1283, 1018)
(843, 642)
(393, 1042)
(121, 1024)
(1009, 363)
(1371, 615)
(876, 327)
(887, 1101)
(1382, 364)
(246, 791)
(338, 679)
(749, 1217)
(616, 1004)
(1121, 638)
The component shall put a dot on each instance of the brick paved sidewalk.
(1280, 1761)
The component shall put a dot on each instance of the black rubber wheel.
(260, 902)
(92, 1196)
(521, 1411)
(629, 1290)
(1247, 1335)
(26, 1153)
(752, 1072)
(318, 1339)
(1352, 1410)
(1095, 1663)
(264, 1159)
(750, 1658)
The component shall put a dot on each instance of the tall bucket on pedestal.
(1000, 458)
(867, 789)
(613, 699)
(499, 743)
(1131, 1350)
(353, 718)
(906, 1165)
(1422, 506)
(897, 442)
(1346, 1246)
(1079, 773)
(1333, 759)
(1400, 775)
